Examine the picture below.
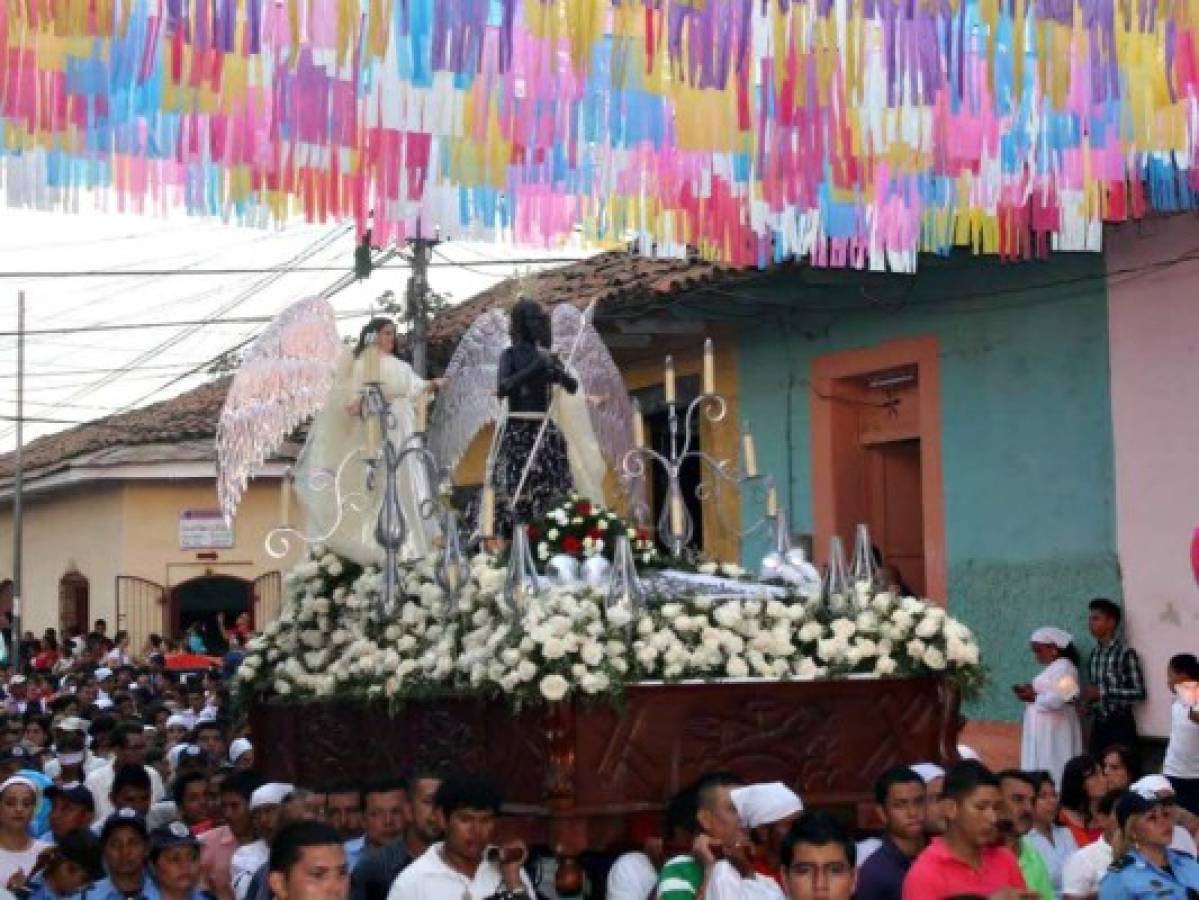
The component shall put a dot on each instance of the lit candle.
(487, 512)
(638, 426)
(772, 501)
(676, 514)
(372, 434)
(749, 453)
(669, 382)
(285, 498)
(709, 368)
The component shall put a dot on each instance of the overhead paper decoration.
(850, 132)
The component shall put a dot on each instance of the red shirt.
(937, 873)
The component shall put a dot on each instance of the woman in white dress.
(1052, 734)
(339, 431)
(1182, 752)
(19, 798)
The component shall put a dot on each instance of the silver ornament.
(596, 571)
(563, 569)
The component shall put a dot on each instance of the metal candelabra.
(675, 526)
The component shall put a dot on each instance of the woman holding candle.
(527, 377)
(341, 429)
(1052, 734)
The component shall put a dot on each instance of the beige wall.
(130, 528)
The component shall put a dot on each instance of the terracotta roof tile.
(190, 416)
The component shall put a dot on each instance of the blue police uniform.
(1135, 876)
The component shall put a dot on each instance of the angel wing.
(610, 409)
(468, 400)
(284, 378)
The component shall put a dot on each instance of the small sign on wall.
(204, 529)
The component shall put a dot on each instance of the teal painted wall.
(1026, 429)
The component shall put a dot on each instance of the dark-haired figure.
(376, 871)
(1116, 681)
(817, 859)
(459, 867)
(528, 373)
(969, 858)
(901, 796)
(338, 430)
(308, 862)
(1052, 735)
(1181, 765)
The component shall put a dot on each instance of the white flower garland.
(326, 645)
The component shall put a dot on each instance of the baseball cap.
(73, 793)
(271, 794)
(123, 818)
(1133, 804)
(1151, 787)
(239, 748)
(176, 834)
(72, 723)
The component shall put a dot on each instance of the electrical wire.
(299, 270)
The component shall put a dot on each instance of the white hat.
(765, 803)
(928, 771)
(207, 714)
(103, 673)
(1050, 635)
(177, 721)
(1151, 787)
(72, 723)
(17, 679)
(238, 749)
(14, 780)
(967, 752)
(271, 794)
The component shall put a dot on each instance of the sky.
(122, 350)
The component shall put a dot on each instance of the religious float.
(590, 662)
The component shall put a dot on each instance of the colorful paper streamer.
(847, 132)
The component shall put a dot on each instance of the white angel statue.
(297, 368)
(516, 372)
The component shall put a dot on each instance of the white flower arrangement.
(568, 642)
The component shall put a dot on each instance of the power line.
(177, 323)
(298, 270)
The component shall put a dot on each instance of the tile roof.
(622, 282)
(190, 416)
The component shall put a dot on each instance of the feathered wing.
(608, 403)
(468, 401)
(284, 379)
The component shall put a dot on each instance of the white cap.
(1049, 635)
(928, 771)
(967, 752)
(72, 723)
(765, 803)
(238, 749)
(17, 679)
(207, 714)
(272, 794)
(1151, 787)
(103, 673)
(177, 721)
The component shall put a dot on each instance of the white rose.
(928, 627)
(592, 653)
(916, 648)
(619, 615)
(594, 683)
(552, 534)
(708, 568)
(934, 659)
(511, 656)
(737, 667)
(282, 687)
(732, 570)
(526, 671)
(884, 665)
(553, 648)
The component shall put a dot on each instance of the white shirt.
(1055, 852)
(632, 877)
(247, 860)
(1183, 842)
(100, 782)
(11, 861)
(429, 878)
(726, 883)
(53, 768)
(1083, 870)
(867, 847)
(1182, 752)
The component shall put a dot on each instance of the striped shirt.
(1115, 669)
(680, 878)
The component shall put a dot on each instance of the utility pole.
(418, 303)
(14, 651)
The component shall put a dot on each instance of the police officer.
(1144, 865)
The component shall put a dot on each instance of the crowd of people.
(121, 779)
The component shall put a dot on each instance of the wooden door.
(896, 508)
(140, 607)
(267, 599)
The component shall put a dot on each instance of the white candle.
(372, 434)
(638, 426)
(709, 368)
(749, 453)
(285, 499)
(669, 382)
(422, 412)
(772, 501)
(487, 512)
(676, 515)
(370, 364)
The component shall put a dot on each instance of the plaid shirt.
(1116, 671)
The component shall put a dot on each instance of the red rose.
(583, 509)
(572, 545)
(534, 532)
(595, 534)
(643, 534)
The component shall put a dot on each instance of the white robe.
(334, 435)
(1052, 734)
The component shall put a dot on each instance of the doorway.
(200, 600)
(876, 457)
